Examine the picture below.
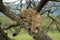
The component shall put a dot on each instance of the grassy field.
(24, 35)
(55, 35)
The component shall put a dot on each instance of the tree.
(41, 35)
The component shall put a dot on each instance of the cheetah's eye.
(37, 27)
(23, 17)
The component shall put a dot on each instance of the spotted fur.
(33, 17)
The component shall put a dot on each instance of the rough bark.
(41, 5)
(3, 35)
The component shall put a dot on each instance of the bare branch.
(41, 5)
(11, 25)
(49, 26)
(54, 19)
(5, 37)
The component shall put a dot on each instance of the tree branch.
(13, 16)
(41, 5)
(3, 35)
